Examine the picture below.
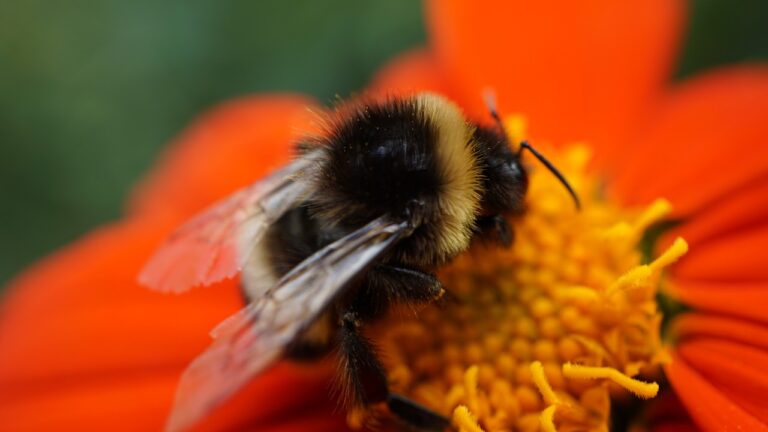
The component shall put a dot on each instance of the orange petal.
(78, 334)
(737, 370)
(740, 210)
(411, 72)
(141, 401)
(736, 257)
(82, 311)
(123, 402)
(287, 396)
(707, 143)
(318, 421)
(578, 72)
(692, 325)
(227, 148)
(746, 300)
(667, 413)
(709, 407)
(674, 426)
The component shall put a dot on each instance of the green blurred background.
(91, 90)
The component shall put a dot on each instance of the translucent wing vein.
(215, 244)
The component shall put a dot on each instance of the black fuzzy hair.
(505, 181)
(380, 157)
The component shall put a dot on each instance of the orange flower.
(83, 346)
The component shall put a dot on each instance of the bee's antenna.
(490, 102)
(525, 146)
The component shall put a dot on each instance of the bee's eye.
(514, 169)
(505, 187)
(381, 151)
(511, 172)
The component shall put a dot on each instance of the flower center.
(543, 334)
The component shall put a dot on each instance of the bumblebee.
(389, 191)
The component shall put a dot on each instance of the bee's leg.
(408, 285)
(388, 284)
(416, 415)
(496, 226)
(365, 379)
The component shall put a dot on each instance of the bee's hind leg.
(416, 415)
(365, 380)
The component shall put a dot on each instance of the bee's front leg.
(497, 228)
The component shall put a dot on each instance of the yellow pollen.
(542, 335)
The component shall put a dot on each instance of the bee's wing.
(247, 342)
(216, 244)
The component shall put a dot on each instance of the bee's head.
(505, 180)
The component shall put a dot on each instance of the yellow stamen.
(537, 370)
(470, 385)
(631, 232)
(639, 276)
(672, 254)
(657, 211)
(634, 278)
(464, 420)
(639, 388)
(547, 419)
(619, 232)
(578, 293)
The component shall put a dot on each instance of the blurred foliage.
(91, 90)
(722, 32)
